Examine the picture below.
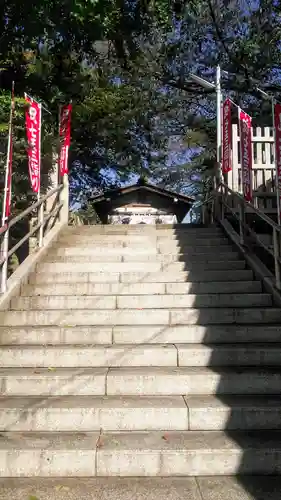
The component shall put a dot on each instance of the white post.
(219, 99)
(5, 243)
(64, 198)
(276, 166)
(41, 208)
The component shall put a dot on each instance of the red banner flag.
(277, 126)
(64, 130)
(8, 177)
(227, 137)
(33, 132)
(245, 125)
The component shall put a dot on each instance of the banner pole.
(277, 187)
(219, 121)
(41, 208)
(7, 196)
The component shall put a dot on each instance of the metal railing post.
(41, 222)
(276, 258)
(241, 222)
(64, 198)
(4, 270)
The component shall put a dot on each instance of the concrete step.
(190, 249)
(142, 240)
(92, 413)
(125, 267)
(218, 241)
(140, 277)
(139, 413)
(48, 454)
(195, 334)
(107, 267)
(193, 381)
(105, 317)
(229, 355)
(53, 382)
(190, 355)
(188, 453)
(55, 335)
(143, 229)
(192, 275)
(140, 381)
(189, 300)
(96, 252)
(111, 302)
(141, 257)
(233, 412)
(177, 334)
(151, 488)
(139, 454)
(91, 356)
(242, 287)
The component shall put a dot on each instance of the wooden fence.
(263, 177)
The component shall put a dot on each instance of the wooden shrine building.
(141, 203)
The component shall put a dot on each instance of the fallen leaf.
(51, 369)
(61, 487)
(32, 497)
(36, 371)
(99, 443)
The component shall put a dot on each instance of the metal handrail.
(42, 224)
(257, 211)
(11, 222)
(244, 227)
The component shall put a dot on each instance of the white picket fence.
(263, 177)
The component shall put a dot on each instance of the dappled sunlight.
(168, 365)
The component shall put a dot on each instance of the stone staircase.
(140, 351)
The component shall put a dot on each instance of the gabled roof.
(142, 186)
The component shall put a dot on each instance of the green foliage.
(125, 67)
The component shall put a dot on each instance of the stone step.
(99, 228)
(148, 488)
(242, 287)
(55, 335)
(217, 241)
(233, 412)
(140, 381)
(140, 277)
(193, 381)
(190, 300)
(228, 355)
(105, 317)
(101, 488)
(139, 413)
(188, 453)
(195, 334)
(92, 413)
(192, 275)
(142, 257)
(96, 252)
(143, 229)
(125, 267)
(102, 335)
(112, 302)
(135, 355)
(143, 242)
(53, 382)
(91, 356)
(107, 267)
(139, 454)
